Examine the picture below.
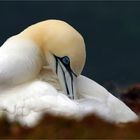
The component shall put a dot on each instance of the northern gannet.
(40, 72)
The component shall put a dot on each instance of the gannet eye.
(65, 60)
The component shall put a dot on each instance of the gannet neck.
(21, 61)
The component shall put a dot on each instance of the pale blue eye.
(66, 60)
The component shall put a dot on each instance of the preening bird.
(40, 72)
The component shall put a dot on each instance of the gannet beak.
(66, 77)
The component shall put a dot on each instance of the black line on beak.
(56, 64)
(70, 73)
(65, 82)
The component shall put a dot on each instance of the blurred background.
(111, 31)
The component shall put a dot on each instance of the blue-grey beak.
(66, 76)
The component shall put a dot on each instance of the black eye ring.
(65, 60)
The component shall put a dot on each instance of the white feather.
(27, 103)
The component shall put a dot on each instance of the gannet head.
(66, 54)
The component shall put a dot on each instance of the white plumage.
(29, 88)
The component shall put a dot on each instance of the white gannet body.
(40, 72)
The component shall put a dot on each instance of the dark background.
(111, 31)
